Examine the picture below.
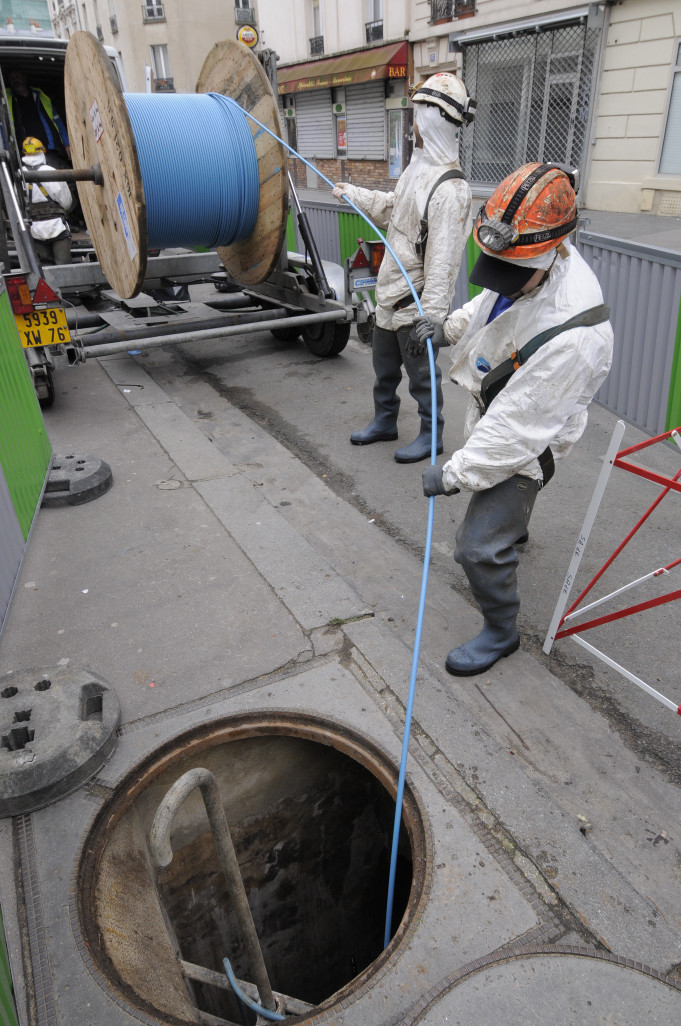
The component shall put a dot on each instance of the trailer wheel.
(45, 390)
(365, 331)
(328, 338)
(286, 334)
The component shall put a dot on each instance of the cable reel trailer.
(130, 294)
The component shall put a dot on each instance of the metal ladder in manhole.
(269, 1005)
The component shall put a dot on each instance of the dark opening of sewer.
(310, 808)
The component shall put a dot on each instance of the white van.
(38, 310)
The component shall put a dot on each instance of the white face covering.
(543, 261)
(440, 137)
(33, 159)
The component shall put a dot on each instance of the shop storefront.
(349, 115)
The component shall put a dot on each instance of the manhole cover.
(57, 728)
(556, 988)
(75, 479)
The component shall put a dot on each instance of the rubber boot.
(420, 448)
(485, 547)
(388, 370)
(492, 643)
(419, 388)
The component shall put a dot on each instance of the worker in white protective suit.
(532, 348)
(428, 221)
(47, 201)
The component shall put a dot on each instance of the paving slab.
(167, 588)
(142, 585)
(471, 903)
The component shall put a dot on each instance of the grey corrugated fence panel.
(323, 220)
(11, 548)
(642, 287)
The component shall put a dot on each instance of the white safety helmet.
(446, 91)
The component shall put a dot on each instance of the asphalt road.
(312, 405)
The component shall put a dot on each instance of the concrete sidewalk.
(204, 586)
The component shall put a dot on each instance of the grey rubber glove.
(433, 483)
(421, 330)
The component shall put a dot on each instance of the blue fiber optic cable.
(426, 559)
(199, 168)
(266, 1013)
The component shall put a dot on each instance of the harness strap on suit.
(497, 379)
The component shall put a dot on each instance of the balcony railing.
(441, 10)
(100, 33)
(153, 12)
(244, 16)
(316, 46)
(113, 21)
(374, 31)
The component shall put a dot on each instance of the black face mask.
(500, 276)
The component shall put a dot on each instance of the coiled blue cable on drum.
(199, 168)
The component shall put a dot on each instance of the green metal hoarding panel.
(8, 1014)
(24, 446)
(674, 403)
(472, 253)
(291, 244)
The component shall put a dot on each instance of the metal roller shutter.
(314, 124)
(365, 106)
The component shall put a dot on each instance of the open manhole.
(310, 807)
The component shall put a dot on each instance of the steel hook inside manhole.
(310, 807)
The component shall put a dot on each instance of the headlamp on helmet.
(496, 235)
(31, 146)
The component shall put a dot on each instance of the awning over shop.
(361, 66)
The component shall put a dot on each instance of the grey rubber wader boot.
(485, 548)
(387, 360)
(418, 371)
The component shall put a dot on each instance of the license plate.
(43, 328)
(363, 283)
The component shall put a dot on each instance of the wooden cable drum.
(101, 133)
(231, 69)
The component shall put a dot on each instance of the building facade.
(343, 78)
(597, 85)
(162, 43)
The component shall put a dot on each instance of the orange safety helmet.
(31, 146)
(529, 213)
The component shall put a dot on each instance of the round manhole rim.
(307, 726)
(526, 953)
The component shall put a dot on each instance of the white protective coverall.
(59, 192)
(545, 401)
(543, 404)
(400, 212)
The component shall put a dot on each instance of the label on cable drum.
(123, 214)
(96, 119)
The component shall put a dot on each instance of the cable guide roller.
(178, 169)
